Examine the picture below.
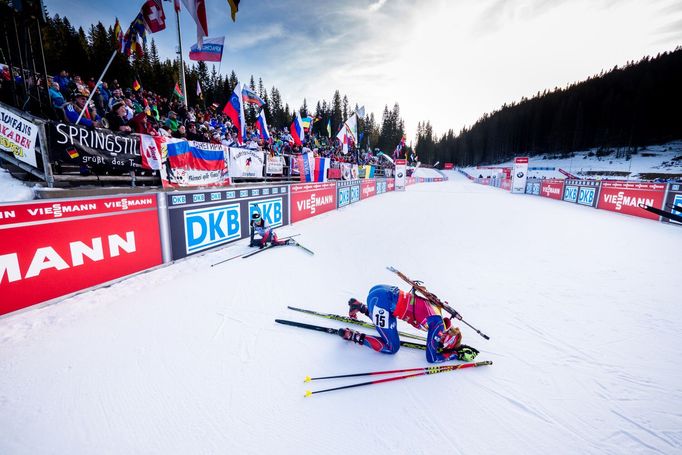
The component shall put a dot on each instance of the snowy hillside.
(654, 161)
(582, 308)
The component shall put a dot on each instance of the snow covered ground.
(653, 159)
(581, 305)
(12, 190)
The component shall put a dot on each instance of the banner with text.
(202, 220)
(552, 188)
(51, 249)
(246, 162)
(583, 192)
(625, 197)
(519, 175)
(18, 136)
(75, 144)
(311, 199)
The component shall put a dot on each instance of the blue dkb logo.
(354, 193)
(206, 228)
(270, 210)
(586, 196)
(344, 196)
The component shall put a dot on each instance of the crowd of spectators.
(125, 110)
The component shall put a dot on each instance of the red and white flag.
(151, 151)
(154, 17)
(197, 9)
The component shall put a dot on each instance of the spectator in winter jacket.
(73, 109)
(56, 97)
(117, 120)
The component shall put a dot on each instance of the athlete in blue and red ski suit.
(386, 303)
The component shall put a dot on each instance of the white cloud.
(376, 6)
(252, 36)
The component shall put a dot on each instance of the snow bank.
(12, 190)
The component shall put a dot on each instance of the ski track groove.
(642, 427)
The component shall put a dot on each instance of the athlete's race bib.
(380, 317)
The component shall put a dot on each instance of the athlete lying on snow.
(386, 303)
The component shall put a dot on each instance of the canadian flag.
(154, 16)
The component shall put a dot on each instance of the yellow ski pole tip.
(307, 379)
(308, 393)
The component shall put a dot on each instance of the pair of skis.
(414, 372)
(251, 253)
(291, 243)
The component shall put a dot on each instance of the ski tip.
(307, 379)
(308, 393)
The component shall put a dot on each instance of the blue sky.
(447, 61)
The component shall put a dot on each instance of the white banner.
(346, 171)
(520, 174)
(400, 174)
(18, 136)
(274, 165)
(246, 162)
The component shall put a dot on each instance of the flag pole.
(99, 81)
(182, 65)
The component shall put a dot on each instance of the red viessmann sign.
(50, 249)
(552, 188)
(312, 199)
(625, 197)
(368, 189)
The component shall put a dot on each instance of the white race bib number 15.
(380, 317)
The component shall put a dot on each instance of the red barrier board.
(506, 184)
(448, 165)
(67, 252)
(369, 189)
(312, 199)
(625, 197)
(390, 185)
(552, 188)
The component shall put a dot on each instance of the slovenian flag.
(234, 109)
(321, 166)
(297, 130)
(182, 155)
(262, 126)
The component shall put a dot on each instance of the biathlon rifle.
(418, 286)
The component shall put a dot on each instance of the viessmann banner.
(552, 188)
(51, 249)
(203, 220)
(626, 197)
(311, 199)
